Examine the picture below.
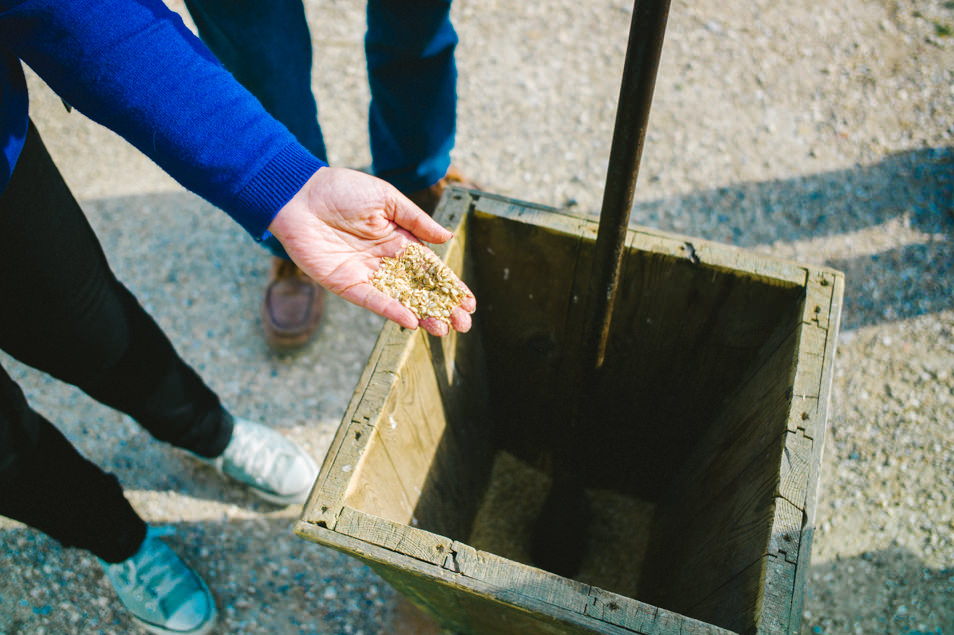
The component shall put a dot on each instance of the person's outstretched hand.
(340, 225)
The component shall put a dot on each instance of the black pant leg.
(45, 483)
(64, 312)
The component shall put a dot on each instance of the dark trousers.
(63, 312)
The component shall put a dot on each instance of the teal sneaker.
(161, 591)
(274, 467)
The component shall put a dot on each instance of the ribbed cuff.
(260, 200)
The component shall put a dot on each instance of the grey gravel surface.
(815, 131)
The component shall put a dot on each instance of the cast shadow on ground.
(891, 587)
(919, 183)
(888, 285)
(264, 578)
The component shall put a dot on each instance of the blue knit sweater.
(134, 67)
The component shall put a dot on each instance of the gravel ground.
(820, 132)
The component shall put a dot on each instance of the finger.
(384, 305)
(435, 326)
(460, 320)
(468, 303)
(413, 219)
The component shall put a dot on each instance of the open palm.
(340, 225)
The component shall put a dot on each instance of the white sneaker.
(274, 467)
(161, 591)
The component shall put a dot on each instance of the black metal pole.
(632, 116)
(561, 528)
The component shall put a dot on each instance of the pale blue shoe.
(161, 591)
(273, 466)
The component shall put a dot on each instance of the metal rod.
(643, 51)
(561, 527)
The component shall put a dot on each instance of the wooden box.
(703, 447)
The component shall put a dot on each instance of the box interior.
(679, 448)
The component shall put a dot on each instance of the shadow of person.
(891, 588)
(917, 183)
(912, 191)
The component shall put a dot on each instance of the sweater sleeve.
(134, 67)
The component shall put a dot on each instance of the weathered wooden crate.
(703, 445)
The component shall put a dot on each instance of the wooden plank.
(807, 382)
(430, 586)
(803, 415)
(453, 254)
(714, 554)
(795, 470)
(488, 604)
(462, 604)
(732, 463)
(407, 435)
(777, 601)
(683, 336)
(422, 466)
(396, 347)
(351, 437)
(773, 612)
(462, 459)
(524, 275)
(735, 608)
(527, 581)
(438, 435)
(763, 268)
(533, 214)
(483, 616)
(819, 294)
(644, 618)
(409, 541)
(738, 459)
(376, 486)
(327, 497)
(819, 420)
(373, 388)
(451, 212)
(351, 450)
(812, 339)
(786, 531)
(751, 421)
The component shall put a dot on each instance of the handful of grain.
(420, 281)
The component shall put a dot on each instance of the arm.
(134, 67)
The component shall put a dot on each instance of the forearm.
(134, 67)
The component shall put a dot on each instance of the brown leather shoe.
(428, 198)
(291, 307)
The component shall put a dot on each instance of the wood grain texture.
(366, 408)
(507, 599)
(394, 537)
(713, 409)
(815, 429)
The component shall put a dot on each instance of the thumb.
(409, 216)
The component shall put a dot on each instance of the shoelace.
(160, 574)
(254, 455)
